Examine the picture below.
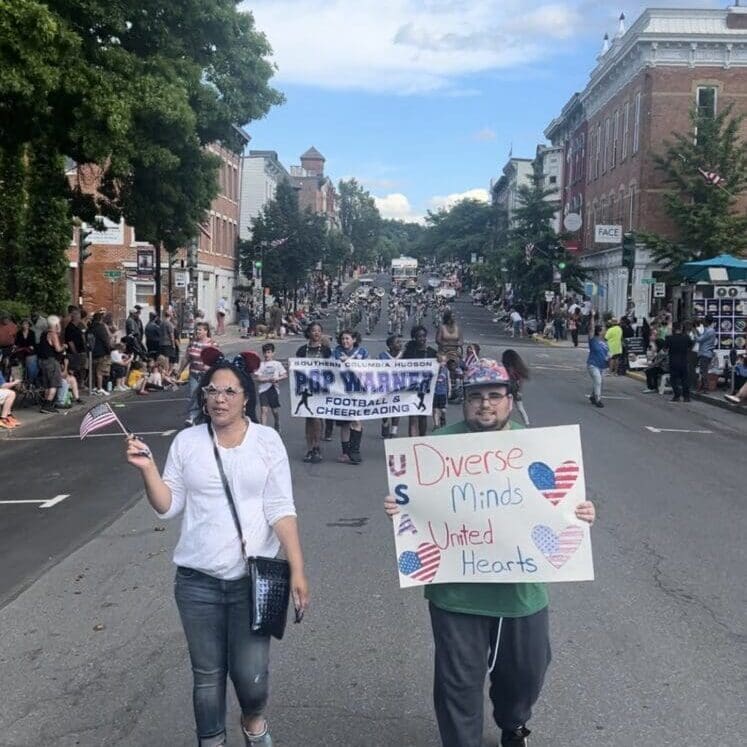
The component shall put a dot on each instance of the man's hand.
(391, 507)
(586, 512)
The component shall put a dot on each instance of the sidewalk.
(711, 398)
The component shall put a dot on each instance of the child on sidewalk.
(268, 375)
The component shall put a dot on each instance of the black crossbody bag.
(270, 577)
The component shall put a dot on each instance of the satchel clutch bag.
(270, 594)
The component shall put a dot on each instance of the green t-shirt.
(492, 600)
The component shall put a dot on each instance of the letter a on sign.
(402, 466)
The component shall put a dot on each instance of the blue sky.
(421, 100)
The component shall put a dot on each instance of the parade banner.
(495, 507)
(361, 389)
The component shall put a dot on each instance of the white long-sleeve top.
(259, 475)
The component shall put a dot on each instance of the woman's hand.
(138, 454)
(300, 591)
(586, 512)
(391, 507)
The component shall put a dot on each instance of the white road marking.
(653, 429)
(614, 396)
(43, 503)
(90, 435)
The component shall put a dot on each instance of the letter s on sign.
(402, 498)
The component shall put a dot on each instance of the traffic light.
(561, 265)
(628, 250)
(84, 244)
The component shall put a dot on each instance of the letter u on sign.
(398, 471)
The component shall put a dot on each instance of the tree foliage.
(397, 239)
(289, 242)
(706, 219)
(360, 221)
(458, 233)
(138, 88)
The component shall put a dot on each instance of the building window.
(553, 180)
(606, 153)
(615, 139)
(631, 209)
(626, 131)
(706, 99)
(144, 293)
(599, 151)
(636, 123)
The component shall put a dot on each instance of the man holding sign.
(499, 628)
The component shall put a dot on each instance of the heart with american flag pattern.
(557, 548)
(556, 483)
(421, 564)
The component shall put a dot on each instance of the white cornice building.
(260, 176)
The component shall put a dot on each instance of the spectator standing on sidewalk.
(613, 337)
(76, 346)
(315, 347)
(706, 341)
(658, 365)
(574, 322)
(102, 348)
(596, 362)
(501, 630)
(48, 349)
(134, 325)
(516, 322)
(152, 335)
(167, 338)
(678, 345)
(26, 350)
(193, 360)
(212, 585)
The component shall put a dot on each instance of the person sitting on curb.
(477, 623)
(7, 398)
(740, 398)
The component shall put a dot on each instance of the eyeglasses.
(213, 392)
(494, 398)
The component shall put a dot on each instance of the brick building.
(315, 190)
(118, 250)
(645, 84)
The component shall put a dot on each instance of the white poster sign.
(490, 507)
(113, 235)
(361, 389)
(660, 290)
(604, 234)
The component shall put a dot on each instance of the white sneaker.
(122, 388)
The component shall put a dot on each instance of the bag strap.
(227, 489)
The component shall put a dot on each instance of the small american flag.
(712, 177)
(96, 418)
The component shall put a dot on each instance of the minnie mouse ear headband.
(247, 361)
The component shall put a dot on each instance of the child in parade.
(268, 375)
(389, 426)
(441, 392)
(351, 431)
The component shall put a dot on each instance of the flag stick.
(119, 422)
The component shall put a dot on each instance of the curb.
(724, 405)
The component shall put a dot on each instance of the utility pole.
(157, 304)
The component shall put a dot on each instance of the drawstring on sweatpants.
(497, 643)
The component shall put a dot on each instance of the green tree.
(458, 233)
(398, 238)
(705, 216)
(532, 225)
(288, 241)
(360, 221)
(139, 88)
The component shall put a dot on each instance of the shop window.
(144, 293)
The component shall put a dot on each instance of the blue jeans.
(193, 409)
(215, 617)
(596, 381)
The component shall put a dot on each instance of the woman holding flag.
(212, 587)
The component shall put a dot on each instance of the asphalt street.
(651, 652)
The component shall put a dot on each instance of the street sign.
(473, 258)
(180, 280)
(590, 289)
(572, 222)
(113, 274)
(549, 296)
(563, 289)
(660, 290)
(608, 234)
(647, 281)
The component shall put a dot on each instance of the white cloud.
(439, 202)
(406, 46)
(485, 135)
(396, 206)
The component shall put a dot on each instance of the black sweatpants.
(679, 380)
(465, 650)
